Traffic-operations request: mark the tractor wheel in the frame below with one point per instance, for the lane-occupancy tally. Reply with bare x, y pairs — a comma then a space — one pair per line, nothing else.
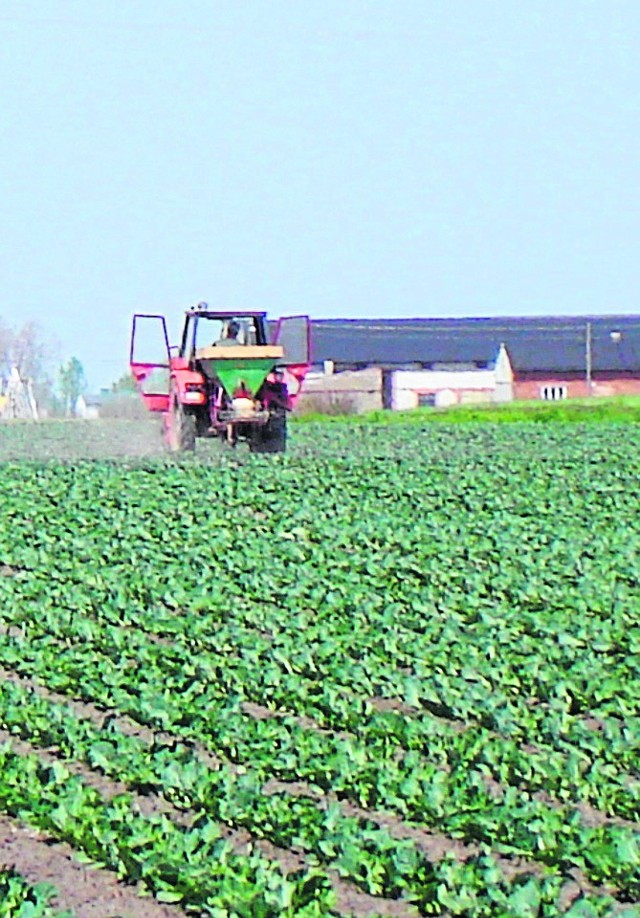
181, 430
272, 438
187, 432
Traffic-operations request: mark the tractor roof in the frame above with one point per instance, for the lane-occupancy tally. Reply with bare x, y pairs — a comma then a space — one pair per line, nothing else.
224, 313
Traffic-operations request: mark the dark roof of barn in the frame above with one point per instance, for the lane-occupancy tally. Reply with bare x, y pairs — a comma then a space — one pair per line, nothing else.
534, 343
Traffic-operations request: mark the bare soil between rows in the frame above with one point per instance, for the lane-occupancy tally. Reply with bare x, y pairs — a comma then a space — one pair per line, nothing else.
434, 845
90, 891
349, 899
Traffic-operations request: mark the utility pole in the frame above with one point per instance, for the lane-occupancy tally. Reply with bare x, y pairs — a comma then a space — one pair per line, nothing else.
587, 357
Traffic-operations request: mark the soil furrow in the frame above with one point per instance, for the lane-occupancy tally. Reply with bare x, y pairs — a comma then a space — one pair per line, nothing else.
102, 717
108, 788
7, 570
378, 703
89, 891
592, 816
349, 898
435, 845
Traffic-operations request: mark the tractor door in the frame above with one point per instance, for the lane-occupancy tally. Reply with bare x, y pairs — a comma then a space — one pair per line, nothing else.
293, 333
149, 360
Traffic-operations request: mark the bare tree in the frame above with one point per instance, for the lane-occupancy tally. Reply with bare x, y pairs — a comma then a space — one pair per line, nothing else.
25, 348
30, 351
6, 346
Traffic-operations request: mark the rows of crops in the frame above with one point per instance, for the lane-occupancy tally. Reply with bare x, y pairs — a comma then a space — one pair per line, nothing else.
407, 659
19, 897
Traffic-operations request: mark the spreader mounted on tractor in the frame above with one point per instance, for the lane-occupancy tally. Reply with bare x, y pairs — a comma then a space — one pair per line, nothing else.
228, 378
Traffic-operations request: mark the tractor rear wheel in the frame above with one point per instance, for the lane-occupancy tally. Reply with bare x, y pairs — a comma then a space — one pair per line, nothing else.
272, 437
187, 432
182, 429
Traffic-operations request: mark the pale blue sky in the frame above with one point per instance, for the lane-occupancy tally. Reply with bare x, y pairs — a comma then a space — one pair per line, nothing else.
341, 157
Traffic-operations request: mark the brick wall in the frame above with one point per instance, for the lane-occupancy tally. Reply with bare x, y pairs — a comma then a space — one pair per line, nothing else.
530, 387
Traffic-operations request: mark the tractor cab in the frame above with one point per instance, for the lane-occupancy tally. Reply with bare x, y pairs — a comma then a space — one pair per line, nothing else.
204, 328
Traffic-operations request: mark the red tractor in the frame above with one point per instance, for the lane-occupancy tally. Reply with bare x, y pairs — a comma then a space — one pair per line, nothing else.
229, 377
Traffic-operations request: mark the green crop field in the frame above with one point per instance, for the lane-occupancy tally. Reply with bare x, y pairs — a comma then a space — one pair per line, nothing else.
395, 671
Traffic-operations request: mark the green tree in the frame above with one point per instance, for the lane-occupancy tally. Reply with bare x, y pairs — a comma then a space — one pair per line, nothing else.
72, 384
125, 384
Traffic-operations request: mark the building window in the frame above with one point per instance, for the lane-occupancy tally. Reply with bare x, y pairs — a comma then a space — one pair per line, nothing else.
426, 399
553, 393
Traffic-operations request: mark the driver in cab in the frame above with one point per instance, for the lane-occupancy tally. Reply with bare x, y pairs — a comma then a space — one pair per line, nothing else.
230, 335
